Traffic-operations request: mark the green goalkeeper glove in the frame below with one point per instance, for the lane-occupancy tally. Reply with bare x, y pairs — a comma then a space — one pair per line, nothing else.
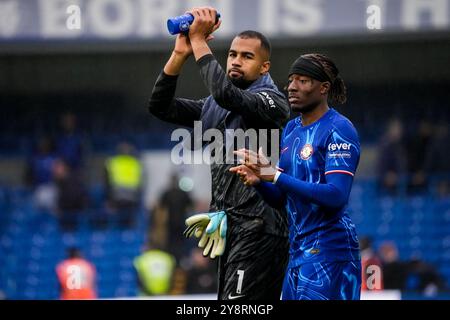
211, 228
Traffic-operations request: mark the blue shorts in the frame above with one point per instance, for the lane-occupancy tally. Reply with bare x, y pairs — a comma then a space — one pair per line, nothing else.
323, 281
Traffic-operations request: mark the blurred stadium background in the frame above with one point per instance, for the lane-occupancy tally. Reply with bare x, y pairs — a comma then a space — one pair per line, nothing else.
77, 94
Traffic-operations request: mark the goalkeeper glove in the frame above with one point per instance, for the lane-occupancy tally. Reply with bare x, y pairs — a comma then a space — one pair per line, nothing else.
212, 228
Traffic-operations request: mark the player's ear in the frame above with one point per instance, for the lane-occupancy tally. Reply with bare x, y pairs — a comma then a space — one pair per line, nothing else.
264, 67
325, 87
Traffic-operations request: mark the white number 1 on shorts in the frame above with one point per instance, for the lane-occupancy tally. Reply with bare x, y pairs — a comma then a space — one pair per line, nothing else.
240, 280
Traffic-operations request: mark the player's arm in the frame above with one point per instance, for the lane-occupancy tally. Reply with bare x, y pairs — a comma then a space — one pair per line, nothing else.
165, 106
265, 107
271, 194
274, 186
162, 103
333, 194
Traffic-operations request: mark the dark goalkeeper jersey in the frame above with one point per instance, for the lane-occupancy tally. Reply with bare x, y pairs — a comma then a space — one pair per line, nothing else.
261, 106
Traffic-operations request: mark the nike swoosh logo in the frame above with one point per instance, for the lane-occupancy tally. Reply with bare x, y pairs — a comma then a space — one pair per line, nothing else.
283, 150
234, 297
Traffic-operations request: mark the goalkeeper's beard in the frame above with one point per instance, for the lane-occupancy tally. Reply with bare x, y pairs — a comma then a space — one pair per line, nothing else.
240, 82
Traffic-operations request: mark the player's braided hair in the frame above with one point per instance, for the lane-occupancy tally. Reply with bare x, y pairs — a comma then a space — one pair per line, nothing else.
338, 91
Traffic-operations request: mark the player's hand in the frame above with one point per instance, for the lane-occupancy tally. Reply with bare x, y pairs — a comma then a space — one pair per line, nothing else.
183, 45
213, 240
258, 163
211, 228
204, 23
247, 176
196, 225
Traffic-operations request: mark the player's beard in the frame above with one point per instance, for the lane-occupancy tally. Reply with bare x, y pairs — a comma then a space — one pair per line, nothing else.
240, 82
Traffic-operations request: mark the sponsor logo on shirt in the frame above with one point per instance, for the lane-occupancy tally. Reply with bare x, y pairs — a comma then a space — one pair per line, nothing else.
268, 98
339, 146
306, 151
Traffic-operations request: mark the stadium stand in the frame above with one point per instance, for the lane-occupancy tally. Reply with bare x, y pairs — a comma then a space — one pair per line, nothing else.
32, 243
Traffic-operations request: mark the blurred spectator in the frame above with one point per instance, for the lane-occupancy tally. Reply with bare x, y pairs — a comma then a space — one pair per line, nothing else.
418, 147
39, 175
201, 274
391, 158
423, 278
77, 277
69, 142
167, 224
123, 175
39, 169
372, 268
155, 269
72, 195
394, 270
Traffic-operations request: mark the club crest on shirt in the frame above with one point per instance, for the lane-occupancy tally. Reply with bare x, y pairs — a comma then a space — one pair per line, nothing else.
306, 151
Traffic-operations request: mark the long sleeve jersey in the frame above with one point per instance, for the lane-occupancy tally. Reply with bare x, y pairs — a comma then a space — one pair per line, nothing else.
261, 106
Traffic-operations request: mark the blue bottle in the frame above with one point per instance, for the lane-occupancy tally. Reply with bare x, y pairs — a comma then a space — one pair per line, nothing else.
182, 23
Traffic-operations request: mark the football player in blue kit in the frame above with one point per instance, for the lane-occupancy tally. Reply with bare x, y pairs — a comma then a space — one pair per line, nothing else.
319, 155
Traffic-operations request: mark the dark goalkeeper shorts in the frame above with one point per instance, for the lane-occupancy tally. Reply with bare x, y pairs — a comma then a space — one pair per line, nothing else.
253, 266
